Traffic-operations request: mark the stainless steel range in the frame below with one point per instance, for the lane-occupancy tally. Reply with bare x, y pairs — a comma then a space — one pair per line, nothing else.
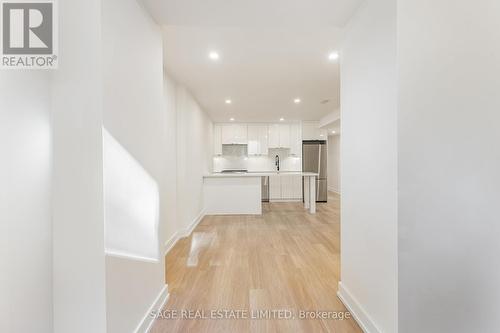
234, 171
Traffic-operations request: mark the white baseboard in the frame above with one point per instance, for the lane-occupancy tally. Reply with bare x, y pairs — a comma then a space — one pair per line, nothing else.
186, 232
148, 320
358, 313
171, 242
183, 233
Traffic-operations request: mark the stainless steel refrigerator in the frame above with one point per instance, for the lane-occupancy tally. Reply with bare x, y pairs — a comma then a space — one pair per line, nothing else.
314, 159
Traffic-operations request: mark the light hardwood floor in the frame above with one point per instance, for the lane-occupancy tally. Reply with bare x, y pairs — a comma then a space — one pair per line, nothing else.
284, 259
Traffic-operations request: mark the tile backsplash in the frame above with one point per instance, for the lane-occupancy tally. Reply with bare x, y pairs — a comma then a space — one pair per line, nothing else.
258, 163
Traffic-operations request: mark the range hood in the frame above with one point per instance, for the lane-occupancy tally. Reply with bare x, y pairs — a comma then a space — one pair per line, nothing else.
235, 150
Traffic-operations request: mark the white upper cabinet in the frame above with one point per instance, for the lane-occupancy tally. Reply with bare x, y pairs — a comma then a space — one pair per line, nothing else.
284, 135
257, 139
240, 134
274, 136
234, 134
227, 134
217, 139
264, 137
311, 131
279, 136
295, 140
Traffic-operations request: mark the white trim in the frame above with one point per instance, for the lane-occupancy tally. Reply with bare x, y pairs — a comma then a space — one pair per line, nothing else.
129, 256
183, 233
286, 200
358, 313
186, 232
147, 321
169, 245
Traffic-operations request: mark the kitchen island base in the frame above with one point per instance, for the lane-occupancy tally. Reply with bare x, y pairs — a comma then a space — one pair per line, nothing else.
242, 194
232, 195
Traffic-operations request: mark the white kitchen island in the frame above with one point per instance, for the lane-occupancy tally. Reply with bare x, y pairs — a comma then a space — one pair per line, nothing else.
241, 193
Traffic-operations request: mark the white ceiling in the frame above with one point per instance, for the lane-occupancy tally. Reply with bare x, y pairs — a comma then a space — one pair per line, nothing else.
253, 13
270, 53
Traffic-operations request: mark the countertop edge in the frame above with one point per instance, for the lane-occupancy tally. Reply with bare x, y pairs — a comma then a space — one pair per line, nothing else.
260, 174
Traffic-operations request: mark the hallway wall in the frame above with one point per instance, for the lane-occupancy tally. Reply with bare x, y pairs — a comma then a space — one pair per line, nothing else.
194, 157
161, 125
369, 167
77, 206
134, 114
169, 93
449, 162
189, 149
51, 138
25, 198
334, 163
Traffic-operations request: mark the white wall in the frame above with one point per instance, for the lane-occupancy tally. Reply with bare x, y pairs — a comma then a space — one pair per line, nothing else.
170, 88
189, 148
58, 267
449, 162
334, 163
369, 166
25, 218
134, 113
164, 129
78, 223
194, 156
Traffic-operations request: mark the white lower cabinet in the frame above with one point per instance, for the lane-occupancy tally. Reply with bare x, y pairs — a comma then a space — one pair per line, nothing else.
291, 187
274, 187
285, 187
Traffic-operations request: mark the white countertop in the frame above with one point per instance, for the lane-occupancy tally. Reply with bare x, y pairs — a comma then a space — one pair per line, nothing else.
260, 174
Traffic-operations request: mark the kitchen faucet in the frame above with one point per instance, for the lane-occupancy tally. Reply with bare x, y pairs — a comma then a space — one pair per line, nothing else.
277, 163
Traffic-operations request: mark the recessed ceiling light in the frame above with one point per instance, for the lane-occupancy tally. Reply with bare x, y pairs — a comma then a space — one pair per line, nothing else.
296, 101
231, 119
282, 119
321, 135
228, 101
213, 55
333, 56
333, 132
